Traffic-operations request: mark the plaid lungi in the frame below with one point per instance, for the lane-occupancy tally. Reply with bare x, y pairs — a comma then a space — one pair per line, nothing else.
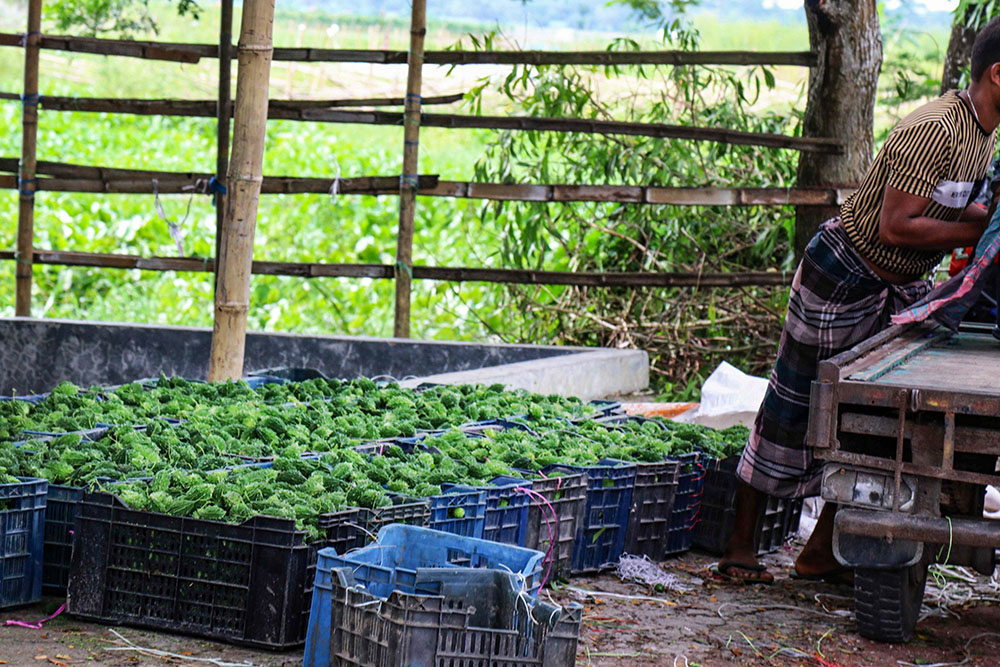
836, 302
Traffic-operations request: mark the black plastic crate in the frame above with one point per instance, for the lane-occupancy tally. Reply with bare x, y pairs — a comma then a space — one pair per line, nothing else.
653, 501
247, 584
776, 523
357, 527
600, 537
565, 495
60, 514
687, 503
22, 525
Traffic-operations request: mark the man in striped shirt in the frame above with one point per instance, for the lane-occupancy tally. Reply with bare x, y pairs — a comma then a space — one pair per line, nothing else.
915, 202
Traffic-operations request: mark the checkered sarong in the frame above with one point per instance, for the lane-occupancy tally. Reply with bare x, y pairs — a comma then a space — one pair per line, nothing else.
836, 302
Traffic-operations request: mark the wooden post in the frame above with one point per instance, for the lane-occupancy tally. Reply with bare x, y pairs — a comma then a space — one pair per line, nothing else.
26, 170
408, 179
232, 298
224, 115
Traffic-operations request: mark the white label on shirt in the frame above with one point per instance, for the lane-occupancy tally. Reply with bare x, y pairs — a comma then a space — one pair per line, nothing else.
953, 194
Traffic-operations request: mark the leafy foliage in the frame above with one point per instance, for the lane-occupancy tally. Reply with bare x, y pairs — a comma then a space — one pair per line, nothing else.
122, 17
686, 331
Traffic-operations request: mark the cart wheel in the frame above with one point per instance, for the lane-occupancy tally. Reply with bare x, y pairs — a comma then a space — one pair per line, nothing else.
887, 602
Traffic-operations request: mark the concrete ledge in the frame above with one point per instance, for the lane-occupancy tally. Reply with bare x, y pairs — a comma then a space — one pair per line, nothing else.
37, 354
589, 375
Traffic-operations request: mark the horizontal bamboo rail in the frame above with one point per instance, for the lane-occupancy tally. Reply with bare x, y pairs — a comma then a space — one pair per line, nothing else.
62, 177
663, 131
324, 111
78, 178
277, 109
441, 273
192, 53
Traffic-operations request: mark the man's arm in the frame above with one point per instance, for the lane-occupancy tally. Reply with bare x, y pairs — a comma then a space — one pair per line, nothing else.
902, 224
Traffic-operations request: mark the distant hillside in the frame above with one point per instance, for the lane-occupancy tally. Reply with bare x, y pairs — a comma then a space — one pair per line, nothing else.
584, 14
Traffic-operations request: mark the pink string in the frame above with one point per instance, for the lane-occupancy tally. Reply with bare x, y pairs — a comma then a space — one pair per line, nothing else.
37, 625
549, 555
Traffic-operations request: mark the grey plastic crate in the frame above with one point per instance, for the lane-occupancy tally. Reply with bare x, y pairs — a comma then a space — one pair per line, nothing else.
477, 618
567, 496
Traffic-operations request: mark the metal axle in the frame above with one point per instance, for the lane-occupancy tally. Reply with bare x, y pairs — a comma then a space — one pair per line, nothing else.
895, 525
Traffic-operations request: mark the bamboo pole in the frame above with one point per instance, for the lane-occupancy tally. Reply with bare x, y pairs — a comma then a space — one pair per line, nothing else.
438, 273
232, 298
587, 126
80, 178
192, 53
276, 109
408, 181
224, 113
26, 173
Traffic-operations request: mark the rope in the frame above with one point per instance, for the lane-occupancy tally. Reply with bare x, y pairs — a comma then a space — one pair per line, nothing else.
335, 186
25, 36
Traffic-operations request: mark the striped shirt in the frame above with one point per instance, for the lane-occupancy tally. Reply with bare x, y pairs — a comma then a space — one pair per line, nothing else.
939, 152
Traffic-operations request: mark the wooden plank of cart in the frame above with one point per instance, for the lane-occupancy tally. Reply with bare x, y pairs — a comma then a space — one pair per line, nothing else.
908, 424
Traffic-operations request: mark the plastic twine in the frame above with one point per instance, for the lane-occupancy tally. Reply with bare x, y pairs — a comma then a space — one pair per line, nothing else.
37, 625
550, 553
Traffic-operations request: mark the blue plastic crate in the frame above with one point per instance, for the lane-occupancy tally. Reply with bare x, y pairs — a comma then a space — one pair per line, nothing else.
687, 501
600, 539
392, 561
31, 398
506, 517
60, 513
459, 511
22, 534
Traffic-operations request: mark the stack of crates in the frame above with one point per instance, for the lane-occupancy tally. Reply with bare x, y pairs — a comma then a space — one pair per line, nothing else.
404, 602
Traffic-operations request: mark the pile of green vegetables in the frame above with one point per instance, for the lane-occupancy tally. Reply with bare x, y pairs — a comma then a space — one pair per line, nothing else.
368, 410
312, 431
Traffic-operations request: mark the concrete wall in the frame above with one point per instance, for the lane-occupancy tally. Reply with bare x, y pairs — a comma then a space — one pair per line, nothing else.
37, 354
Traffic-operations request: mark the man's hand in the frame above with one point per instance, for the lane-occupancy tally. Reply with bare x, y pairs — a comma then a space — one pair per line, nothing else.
902, 224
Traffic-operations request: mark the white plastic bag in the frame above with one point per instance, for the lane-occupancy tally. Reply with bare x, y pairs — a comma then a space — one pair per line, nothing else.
729, 396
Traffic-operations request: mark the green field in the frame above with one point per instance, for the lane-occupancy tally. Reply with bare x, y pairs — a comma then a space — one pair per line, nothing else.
318, 227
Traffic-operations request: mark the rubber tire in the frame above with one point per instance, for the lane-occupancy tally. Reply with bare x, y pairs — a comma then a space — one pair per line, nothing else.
887, 602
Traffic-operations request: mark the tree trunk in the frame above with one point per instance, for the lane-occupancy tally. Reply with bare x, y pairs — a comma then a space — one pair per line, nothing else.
232, 297
959, 53
845, 36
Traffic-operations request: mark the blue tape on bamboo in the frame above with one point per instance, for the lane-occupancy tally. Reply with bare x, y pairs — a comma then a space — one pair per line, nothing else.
30, 100
412, 180
411, 143
217, 188
26, 191
406, 268
26, 35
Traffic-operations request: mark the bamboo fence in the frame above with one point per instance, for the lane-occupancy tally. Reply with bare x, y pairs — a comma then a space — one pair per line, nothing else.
62, 177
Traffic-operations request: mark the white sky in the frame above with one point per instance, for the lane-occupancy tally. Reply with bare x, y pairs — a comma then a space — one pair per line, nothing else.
932, 5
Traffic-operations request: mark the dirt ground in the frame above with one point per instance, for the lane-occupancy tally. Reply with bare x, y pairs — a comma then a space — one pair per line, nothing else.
708, 623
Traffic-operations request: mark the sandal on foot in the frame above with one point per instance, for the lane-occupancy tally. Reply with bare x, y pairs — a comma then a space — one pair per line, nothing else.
759, 575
